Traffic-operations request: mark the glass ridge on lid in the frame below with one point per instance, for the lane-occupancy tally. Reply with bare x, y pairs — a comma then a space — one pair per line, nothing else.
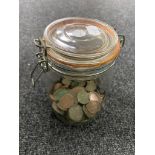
77, 37
80, 39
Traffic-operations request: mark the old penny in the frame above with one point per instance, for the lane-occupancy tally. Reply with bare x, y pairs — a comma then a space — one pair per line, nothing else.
66, 81
59, 93
75, 113
87, 113
52, 97
91, 85
76, 90
57, 86
94, 96
56, 109
93, 107
83, 97
66, 102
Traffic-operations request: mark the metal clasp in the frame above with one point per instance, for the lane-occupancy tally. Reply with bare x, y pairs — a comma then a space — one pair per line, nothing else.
42, 59
122, 40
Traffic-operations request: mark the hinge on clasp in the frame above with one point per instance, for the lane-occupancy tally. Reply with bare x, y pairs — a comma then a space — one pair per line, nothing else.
42, 59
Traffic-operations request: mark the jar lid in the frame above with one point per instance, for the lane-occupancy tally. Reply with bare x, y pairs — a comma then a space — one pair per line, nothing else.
81, 42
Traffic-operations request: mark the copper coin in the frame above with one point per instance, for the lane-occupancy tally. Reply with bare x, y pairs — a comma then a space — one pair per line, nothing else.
57, 86
66, 102
56, 109
93, 107
52, 97
94, 96
87, 113
76, 90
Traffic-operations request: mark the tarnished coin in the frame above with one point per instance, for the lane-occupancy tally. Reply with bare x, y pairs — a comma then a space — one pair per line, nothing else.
59, 93
93, 107
75, 113
82, 83
74, 84
94, 96
66, 81
56, 109
57, 86
83, 97
52, 97
91, 85
66, 102
87, 113
76, 90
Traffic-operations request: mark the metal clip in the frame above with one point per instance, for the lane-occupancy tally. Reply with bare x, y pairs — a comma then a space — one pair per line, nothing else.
121, 39
42, 59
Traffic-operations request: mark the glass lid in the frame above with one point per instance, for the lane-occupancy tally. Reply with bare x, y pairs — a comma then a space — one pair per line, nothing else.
80, 37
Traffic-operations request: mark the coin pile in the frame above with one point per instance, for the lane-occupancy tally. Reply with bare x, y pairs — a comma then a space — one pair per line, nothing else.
76, 101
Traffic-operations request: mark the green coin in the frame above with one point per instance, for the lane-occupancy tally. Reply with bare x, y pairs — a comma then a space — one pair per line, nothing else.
83, 97
74, 84
59, 93
91, 85
66, 81
56, 109
75, 113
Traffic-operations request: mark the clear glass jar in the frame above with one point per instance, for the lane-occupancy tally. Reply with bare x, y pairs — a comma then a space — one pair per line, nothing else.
81, 50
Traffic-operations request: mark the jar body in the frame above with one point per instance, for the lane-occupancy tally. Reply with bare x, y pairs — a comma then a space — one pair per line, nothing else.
79, 101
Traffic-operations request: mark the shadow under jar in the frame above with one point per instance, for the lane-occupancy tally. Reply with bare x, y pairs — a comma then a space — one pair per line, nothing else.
81, 50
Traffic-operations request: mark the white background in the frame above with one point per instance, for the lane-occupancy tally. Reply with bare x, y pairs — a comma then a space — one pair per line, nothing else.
145, 77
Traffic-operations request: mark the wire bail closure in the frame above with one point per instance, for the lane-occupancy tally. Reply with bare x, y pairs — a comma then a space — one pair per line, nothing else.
42, 59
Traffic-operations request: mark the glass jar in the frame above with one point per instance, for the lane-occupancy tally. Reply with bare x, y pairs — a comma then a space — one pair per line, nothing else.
81, 50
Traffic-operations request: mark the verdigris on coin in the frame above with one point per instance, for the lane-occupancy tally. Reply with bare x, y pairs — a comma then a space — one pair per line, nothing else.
66, 81
77, 102
75, 113
83, 97
59, 93
91, 85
